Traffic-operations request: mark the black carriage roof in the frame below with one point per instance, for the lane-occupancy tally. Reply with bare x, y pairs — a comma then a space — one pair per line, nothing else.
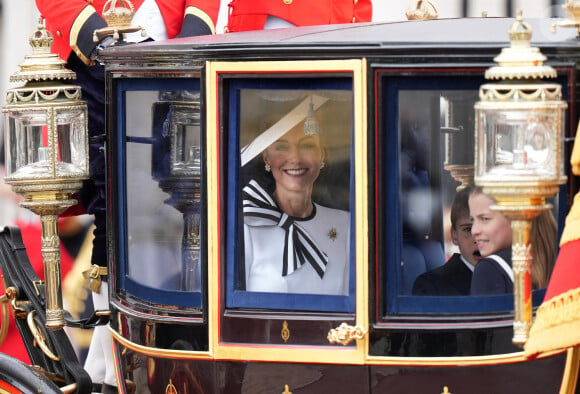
362, 38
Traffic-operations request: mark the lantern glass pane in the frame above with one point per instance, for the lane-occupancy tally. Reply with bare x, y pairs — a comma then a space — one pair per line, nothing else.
456, 122
71, 134
520, 143
185, 140
27, 147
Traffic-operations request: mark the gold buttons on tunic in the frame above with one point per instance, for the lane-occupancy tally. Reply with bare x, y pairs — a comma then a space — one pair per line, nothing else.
58, 33
287, 2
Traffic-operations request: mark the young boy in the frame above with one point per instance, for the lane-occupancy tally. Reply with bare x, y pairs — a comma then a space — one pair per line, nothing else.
454, 277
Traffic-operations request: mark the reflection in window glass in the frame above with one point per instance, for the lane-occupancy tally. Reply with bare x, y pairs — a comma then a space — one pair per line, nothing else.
163, 189
436, 134
436, 140
295, 166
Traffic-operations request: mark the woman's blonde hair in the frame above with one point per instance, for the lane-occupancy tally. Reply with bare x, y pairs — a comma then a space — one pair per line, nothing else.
543, 238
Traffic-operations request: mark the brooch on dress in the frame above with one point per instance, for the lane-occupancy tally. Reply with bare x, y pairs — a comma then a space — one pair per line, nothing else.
332, 233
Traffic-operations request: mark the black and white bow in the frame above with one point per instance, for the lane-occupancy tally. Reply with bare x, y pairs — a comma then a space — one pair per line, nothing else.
260, 209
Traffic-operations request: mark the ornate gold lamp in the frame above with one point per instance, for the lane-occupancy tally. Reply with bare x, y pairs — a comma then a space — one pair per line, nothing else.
519, 133
572, 8
46, 151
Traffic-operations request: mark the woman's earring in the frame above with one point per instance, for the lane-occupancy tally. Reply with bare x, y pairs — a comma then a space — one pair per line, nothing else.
322, 165
267, 167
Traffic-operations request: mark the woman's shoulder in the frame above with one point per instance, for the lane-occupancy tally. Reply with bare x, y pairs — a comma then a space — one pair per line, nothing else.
334, 213
327, 210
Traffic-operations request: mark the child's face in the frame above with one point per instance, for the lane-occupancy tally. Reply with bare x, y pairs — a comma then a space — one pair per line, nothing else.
491, 230
462, 237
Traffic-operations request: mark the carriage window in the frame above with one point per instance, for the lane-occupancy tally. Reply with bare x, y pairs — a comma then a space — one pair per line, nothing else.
162, 192
433, 131
293, 220
436, 140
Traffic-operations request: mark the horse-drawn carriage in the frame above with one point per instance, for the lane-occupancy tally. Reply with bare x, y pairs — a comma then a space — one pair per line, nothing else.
394, 103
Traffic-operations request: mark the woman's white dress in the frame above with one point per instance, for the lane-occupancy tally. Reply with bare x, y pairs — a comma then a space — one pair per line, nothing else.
264, 249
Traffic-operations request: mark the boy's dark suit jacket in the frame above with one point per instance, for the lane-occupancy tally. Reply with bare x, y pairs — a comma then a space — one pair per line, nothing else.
452, 279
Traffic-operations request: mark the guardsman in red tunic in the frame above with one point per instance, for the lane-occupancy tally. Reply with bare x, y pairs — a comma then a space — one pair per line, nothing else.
72, 24
264, 14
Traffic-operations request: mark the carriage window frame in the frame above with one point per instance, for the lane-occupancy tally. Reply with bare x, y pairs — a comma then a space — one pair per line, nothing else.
395, 306
162, 299
236, 298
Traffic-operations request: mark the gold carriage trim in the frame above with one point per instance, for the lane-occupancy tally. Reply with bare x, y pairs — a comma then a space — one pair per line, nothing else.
557, 324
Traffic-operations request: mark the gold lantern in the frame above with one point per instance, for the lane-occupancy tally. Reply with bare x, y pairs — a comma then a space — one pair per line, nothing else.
46, 151
519, 126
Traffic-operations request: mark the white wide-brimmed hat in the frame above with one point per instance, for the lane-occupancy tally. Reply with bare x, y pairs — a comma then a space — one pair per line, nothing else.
281, 127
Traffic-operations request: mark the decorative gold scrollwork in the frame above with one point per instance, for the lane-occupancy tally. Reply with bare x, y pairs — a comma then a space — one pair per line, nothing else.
286, 390
170, 388
38, 337
345, 334
446, 390
9, 295
285, 333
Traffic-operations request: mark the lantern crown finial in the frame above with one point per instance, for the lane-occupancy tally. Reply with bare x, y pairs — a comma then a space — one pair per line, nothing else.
42, 65
118, 16
422, 10
520, 32
41, 39
520, 60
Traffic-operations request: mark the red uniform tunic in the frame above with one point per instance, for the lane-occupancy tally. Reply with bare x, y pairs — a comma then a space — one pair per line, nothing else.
72, 22
252, 14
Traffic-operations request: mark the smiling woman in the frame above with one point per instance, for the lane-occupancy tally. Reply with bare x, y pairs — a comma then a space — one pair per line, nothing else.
291, 243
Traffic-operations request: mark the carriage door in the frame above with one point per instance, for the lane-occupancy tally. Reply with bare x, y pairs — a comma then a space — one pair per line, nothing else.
285, 147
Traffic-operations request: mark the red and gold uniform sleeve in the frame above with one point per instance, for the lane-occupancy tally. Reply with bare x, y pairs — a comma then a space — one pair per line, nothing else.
189, 17
252, 14
72, 23
207, 11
